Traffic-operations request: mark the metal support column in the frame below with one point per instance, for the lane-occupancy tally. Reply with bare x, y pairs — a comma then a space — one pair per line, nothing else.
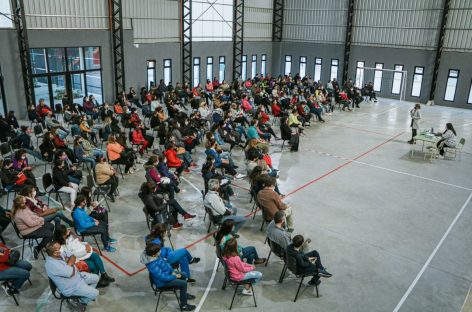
186, 40
23, 46
278, 20
347, 43
439, 49
238, 33
118, 45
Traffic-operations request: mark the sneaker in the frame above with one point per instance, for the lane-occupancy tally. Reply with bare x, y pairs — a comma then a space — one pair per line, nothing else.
188, 216
290, 230
110, 249
235, 235
189, 296
260, 261
190, 280
194, 260
314, 282
246, 292
324, 273
177, 226
111, 197
239, 176
187, 307
112, 241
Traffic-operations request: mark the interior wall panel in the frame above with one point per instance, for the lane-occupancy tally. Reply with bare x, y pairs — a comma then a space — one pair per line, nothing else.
258, 20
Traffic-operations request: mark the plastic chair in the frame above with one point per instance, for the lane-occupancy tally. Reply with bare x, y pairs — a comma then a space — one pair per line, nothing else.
277, 250
59, 296
291, 264
47, 184
237, 284
98, 190
8, 285
5, 150
455, 150
216, 220
159, 290
38, 133
25, 238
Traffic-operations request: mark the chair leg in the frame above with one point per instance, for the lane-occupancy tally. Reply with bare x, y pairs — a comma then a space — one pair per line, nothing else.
209, 227
282, 274
234, 295
254, 296
42, 254
23, 249
262, 225
158, 299
60, 307
268, 257
98, 246
317, 294
299, 286
178, 300
218, 266
16, 300
224, 284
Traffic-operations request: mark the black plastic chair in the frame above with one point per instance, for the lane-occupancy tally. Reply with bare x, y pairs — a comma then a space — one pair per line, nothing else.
6, 150
8, 285
291, 264
98, 190
94, 236
8, 193
38, 133
59, 296
114, 162
264, 218
216, 220
25, 238
277, 250
159, 290
50, 189
237, 284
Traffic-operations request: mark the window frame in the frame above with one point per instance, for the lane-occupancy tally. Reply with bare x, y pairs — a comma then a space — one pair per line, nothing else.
455, 88
320, 64
300, 65
469, 99
244, 67
381, 76
219, 68
253, 66
209, 63
164, 71
287, 62
194, 85
147, 73
395, 71
413, 81
331, 69
361, 85
264, 65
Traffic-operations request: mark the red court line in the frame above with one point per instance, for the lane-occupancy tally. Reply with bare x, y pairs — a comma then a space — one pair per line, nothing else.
344, 164
254, 212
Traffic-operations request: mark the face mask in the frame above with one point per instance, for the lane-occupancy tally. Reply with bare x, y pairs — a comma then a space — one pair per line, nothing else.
34, 193
23, 157
64, 157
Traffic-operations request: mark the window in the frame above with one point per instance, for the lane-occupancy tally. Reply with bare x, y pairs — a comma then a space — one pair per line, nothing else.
264, 64
451, 85
212, 20
244, 68
417, 81
302, 66
288, 65
3, 101
397, 80
151, 74
210, 68
76, 71
6, 9
167, 71
469, 100
318, 61
378, 77
196, 71
254, 66
334, 69
221, 70
360, 74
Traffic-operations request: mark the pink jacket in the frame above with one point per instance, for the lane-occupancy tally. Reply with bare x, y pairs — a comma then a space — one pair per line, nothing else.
237, 268
27, 221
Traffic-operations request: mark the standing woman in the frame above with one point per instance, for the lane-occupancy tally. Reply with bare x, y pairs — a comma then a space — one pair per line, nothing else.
415, 121
448, 137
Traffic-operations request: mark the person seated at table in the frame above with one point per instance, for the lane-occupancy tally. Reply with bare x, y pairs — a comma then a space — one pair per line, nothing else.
224, 235
238, 270
180, 256
30, 225
307, 262
17, 272
448, 137
41, 209
68, 280
72, 246
86, 225
163, 275
118, 155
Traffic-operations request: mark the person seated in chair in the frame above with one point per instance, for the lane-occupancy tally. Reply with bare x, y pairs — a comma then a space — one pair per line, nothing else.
68, 280
163, 275
60, 180
17, 271
75, 175
307, 263
448, 137
277, 232
21, 164
47, 147
24, 142
140, 138
117, 154
162, 184
13, 180
106, 175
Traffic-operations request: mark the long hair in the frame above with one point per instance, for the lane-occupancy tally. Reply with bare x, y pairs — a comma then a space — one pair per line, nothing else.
59, 234
157, 231
231, 248
18, 204
450, 127
225, 229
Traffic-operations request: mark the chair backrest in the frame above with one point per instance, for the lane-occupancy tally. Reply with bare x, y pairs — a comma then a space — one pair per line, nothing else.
276, 248
5, 148
53, 288
47, 180
17, 231
212, 217
152, 283
38, 130
90, 181
461, 143
291, 263
225, 267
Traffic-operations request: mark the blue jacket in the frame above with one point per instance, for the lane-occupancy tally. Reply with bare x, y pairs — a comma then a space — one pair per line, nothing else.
161, 271
82, 220
215, 155
165, 251
218, 138
164, 170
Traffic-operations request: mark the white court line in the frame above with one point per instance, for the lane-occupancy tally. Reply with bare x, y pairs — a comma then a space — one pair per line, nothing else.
466, 297
385, 111
420, 273
192, 185
207, 290
392, 170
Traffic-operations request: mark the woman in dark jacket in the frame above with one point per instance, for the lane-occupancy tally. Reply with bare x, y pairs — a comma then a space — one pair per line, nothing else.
47, 148
156, 204
61, 182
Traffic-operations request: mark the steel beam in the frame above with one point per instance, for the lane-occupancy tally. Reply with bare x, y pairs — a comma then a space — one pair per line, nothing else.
118, 45
348, 40
278, 20
23, 47
186, 40
238, 34
439, 47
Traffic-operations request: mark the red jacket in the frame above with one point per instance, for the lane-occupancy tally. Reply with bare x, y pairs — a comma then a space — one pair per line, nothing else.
42, 111
3, 259
138, 137
172, 160
58, 142
275, 110
264, 117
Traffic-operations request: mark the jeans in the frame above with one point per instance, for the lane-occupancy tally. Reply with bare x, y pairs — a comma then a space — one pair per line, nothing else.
33, 153
97, 152
18, 273
95, 263
73, 179
182, 285
250, 254
183, 257
87, 290
255, 275
101, 229
57, 217
89, 160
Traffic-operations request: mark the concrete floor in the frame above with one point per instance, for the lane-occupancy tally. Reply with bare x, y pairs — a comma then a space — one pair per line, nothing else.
375, 215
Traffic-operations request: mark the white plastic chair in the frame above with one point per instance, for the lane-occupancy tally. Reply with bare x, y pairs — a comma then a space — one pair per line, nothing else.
455, 150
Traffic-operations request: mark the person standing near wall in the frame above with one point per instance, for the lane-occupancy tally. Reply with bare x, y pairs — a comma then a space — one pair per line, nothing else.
415, 121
